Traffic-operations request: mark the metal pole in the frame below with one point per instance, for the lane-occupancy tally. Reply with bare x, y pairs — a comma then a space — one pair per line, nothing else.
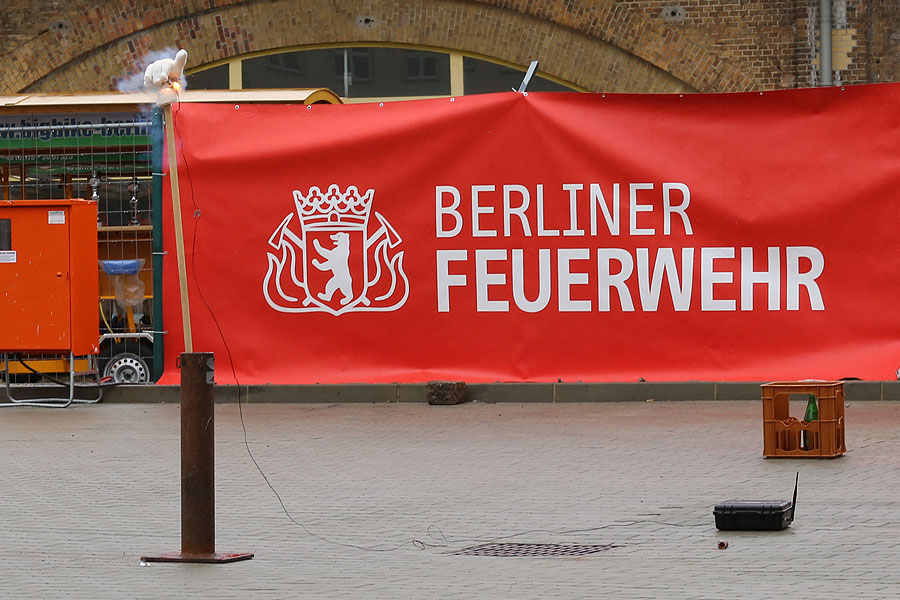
347, 75
825, 64
528, 75
198, 502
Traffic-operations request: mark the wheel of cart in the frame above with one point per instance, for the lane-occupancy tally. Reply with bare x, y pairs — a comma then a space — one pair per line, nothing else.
127, 358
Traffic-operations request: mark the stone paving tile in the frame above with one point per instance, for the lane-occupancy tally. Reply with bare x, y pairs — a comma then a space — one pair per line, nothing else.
382, 495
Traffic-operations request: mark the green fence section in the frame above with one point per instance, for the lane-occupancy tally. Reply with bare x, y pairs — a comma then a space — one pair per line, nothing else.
114, 159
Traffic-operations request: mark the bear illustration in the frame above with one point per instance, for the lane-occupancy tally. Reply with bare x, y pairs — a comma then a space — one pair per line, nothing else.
336, 260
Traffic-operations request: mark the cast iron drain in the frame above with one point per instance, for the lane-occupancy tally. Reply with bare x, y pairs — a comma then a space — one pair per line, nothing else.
538, 550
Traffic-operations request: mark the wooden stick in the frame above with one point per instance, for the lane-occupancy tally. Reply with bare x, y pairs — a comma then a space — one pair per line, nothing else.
179, 230
66, 180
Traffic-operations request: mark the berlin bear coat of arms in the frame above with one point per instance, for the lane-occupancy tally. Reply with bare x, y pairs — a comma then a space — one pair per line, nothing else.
345, 257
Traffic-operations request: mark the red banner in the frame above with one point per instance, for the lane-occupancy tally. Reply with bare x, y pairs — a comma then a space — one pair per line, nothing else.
554, 236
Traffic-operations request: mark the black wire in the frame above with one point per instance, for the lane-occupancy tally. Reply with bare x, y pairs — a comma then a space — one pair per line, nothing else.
565, 531
64, 383
415, 542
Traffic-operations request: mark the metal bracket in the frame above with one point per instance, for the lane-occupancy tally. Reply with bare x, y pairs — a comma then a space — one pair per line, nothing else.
147, 335
528, 75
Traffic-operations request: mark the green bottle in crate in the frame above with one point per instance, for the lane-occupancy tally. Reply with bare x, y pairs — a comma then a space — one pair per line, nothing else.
812, 414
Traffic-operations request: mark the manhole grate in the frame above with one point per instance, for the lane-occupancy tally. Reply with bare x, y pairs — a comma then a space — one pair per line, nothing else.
534, 550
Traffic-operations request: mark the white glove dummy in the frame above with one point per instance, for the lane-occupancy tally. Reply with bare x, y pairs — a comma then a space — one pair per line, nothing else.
165, 71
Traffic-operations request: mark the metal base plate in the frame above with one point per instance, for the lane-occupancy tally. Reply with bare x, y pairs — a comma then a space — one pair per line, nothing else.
214, 557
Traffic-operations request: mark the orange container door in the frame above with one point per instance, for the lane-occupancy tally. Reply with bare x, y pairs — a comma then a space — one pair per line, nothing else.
34, 280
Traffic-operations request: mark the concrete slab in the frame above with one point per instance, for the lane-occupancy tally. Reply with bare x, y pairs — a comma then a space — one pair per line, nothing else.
737, 390
890, 390
492, 393
317, 394
862, 391
411, 392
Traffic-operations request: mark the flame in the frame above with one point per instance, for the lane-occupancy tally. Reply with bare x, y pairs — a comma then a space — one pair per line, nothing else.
176, 85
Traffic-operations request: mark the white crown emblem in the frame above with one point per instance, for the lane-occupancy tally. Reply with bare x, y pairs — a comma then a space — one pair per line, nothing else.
333, 209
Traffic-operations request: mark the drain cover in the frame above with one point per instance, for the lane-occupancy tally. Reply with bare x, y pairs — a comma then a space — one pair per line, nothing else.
538, 550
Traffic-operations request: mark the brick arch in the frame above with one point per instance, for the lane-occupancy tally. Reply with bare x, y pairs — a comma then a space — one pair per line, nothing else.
598, 45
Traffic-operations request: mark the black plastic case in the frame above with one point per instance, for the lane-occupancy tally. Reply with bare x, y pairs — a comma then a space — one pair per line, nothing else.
754, 515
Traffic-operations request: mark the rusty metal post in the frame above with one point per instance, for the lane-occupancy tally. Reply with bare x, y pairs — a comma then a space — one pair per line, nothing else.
198, 504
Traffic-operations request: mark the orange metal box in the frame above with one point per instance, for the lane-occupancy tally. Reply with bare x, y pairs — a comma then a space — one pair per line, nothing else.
48, 276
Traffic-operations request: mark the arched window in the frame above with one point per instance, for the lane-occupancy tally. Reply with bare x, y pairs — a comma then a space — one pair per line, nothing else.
372, 72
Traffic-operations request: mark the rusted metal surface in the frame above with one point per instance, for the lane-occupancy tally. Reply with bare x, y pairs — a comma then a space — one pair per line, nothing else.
214, 557
198, 503
198, 523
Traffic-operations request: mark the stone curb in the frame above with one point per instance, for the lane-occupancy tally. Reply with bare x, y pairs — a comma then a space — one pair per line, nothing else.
490, 392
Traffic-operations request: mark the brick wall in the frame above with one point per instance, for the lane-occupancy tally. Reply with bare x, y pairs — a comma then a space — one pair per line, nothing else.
776, 41
767, 39
883, 35
602, 45
21, 20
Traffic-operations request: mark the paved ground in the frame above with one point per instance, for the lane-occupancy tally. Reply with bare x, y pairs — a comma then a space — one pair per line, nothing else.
87, 490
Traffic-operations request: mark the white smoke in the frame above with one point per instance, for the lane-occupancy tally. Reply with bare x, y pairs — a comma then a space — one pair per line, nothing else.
134, 82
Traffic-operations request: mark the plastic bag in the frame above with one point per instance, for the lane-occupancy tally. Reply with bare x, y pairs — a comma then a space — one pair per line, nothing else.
127, 284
